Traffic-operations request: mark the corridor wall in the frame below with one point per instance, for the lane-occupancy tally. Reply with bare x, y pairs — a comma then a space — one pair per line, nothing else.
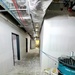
57, 39
6, 53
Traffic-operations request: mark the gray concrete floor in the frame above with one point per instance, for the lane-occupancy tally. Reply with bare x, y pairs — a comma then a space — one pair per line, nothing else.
30, 65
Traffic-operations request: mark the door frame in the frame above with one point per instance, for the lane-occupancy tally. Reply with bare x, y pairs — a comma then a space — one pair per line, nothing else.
30, 44
26, 45
18, 47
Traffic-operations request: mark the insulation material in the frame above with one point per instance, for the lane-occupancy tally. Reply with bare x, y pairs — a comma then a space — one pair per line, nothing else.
21, 3
38, 8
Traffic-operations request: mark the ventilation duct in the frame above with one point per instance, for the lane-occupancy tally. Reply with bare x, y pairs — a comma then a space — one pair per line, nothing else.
21, 3
35, 8
38, 8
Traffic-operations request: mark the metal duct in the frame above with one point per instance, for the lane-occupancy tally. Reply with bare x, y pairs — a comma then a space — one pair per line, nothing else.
38, 8
21, 3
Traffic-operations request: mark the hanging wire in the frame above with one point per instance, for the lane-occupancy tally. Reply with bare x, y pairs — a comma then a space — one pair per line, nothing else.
51, 57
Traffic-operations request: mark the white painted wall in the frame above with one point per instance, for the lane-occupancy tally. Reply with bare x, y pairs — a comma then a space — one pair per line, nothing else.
57, 39
32, 44
6, 55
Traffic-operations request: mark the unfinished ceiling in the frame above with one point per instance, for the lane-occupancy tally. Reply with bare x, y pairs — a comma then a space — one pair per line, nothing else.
60, 8
30, 13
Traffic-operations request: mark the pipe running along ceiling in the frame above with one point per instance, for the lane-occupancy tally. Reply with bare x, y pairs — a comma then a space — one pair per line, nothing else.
29, 13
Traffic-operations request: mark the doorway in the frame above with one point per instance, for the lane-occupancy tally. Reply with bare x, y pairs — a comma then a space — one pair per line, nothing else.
15, 47
26, 45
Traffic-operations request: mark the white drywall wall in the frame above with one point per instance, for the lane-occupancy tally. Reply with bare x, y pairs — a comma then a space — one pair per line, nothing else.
32, 44
6, 54
57, 39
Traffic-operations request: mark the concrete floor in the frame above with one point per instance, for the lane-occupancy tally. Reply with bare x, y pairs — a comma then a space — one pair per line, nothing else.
30, 65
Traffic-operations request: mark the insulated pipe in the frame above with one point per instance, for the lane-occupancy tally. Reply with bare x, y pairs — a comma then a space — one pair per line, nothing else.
12, 10
19, 13
17, 9
3, 11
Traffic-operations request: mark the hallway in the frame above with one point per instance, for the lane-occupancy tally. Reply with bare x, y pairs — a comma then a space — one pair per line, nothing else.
30, 65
